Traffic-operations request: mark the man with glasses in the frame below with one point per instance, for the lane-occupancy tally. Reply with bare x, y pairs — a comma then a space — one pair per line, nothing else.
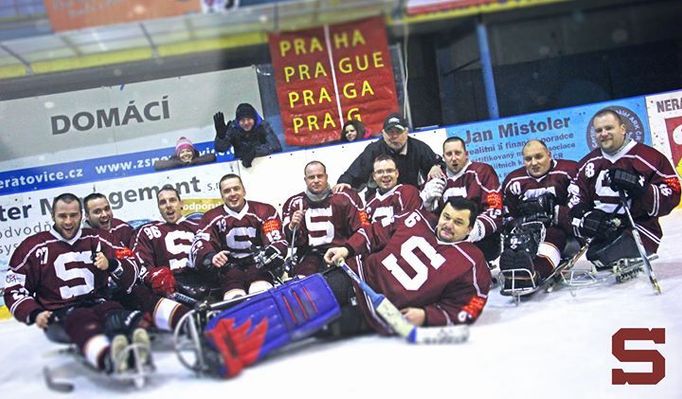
415, 160
390, 198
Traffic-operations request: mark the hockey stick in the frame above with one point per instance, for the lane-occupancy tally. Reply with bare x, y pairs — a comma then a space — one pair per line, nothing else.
54, 385
639, 244
392, 316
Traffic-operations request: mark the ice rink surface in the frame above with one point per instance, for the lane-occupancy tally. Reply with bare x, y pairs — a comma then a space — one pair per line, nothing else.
555, 345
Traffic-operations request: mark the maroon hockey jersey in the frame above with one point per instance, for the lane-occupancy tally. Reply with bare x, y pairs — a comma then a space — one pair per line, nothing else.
519, 186
165, 244
48, 272
479, 183
328, 222
121, 231
590, 188
400, 199
413, 268
256, 225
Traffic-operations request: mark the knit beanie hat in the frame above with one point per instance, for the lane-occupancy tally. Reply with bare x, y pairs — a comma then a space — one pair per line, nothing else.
183, 143
245, 110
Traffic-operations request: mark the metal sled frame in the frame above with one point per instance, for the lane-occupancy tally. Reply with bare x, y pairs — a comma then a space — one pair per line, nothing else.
187, 333
623, 270
517, 292
137, 375
548, 283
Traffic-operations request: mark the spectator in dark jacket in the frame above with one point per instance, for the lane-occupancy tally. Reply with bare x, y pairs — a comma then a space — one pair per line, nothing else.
185, 155
248, 133
414, 158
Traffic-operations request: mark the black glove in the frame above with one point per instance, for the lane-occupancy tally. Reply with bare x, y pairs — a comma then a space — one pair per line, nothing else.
629, 181
538, 208
247, 156
600, 225
220, 126
271, 259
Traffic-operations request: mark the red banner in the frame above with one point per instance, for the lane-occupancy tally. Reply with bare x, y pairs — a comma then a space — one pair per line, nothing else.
328, 75
674, 127
67, 15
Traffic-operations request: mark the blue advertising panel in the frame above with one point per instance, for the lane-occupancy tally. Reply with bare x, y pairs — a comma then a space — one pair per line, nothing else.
567, 133
92, 170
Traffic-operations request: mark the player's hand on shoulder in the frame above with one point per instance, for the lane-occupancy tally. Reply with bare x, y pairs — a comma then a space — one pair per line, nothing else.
340, 187
433, 190
436, 172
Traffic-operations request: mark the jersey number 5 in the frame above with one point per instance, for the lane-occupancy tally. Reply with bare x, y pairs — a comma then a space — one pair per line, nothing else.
421, 271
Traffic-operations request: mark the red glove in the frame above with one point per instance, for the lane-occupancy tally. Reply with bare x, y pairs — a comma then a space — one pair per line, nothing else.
161, 279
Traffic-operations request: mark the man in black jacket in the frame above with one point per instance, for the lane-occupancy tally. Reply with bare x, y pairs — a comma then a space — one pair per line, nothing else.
414, 158
249, 134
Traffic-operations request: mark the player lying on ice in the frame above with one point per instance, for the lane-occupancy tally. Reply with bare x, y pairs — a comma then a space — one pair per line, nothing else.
58, 281
423, 265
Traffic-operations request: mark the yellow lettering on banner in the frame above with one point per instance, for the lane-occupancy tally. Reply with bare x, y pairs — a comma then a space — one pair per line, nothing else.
312, 122
358, 38
354, 113
328, 121
324, 95
378, 59
298, 122
341, 39
360, 62
349, 90
284, 47
293, 98
309, 97
300, 46
320, 70
288, 73
303, 71
315, 45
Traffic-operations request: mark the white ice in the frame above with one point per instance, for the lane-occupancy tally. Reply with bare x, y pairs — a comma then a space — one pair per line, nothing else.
554, 345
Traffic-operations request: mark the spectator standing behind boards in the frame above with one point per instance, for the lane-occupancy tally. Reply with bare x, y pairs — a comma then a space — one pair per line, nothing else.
414, 159
185, 155
248, 133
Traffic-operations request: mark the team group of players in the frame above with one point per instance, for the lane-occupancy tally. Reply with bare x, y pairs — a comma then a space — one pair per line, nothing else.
427, 249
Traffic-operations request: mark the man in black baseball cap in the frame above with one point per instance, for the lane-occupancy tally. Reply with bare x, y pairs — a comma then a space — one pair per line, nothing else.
395, 121
414, 159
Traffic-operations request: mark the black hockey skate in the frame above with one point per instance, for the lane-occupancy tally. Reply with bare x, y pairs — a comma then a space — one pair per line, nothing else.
516, 260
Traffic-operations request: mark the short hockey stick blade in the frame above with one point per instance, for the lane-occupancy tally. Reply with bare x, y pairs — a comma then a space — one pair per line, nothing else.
54, 385
639, 244
440, 335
